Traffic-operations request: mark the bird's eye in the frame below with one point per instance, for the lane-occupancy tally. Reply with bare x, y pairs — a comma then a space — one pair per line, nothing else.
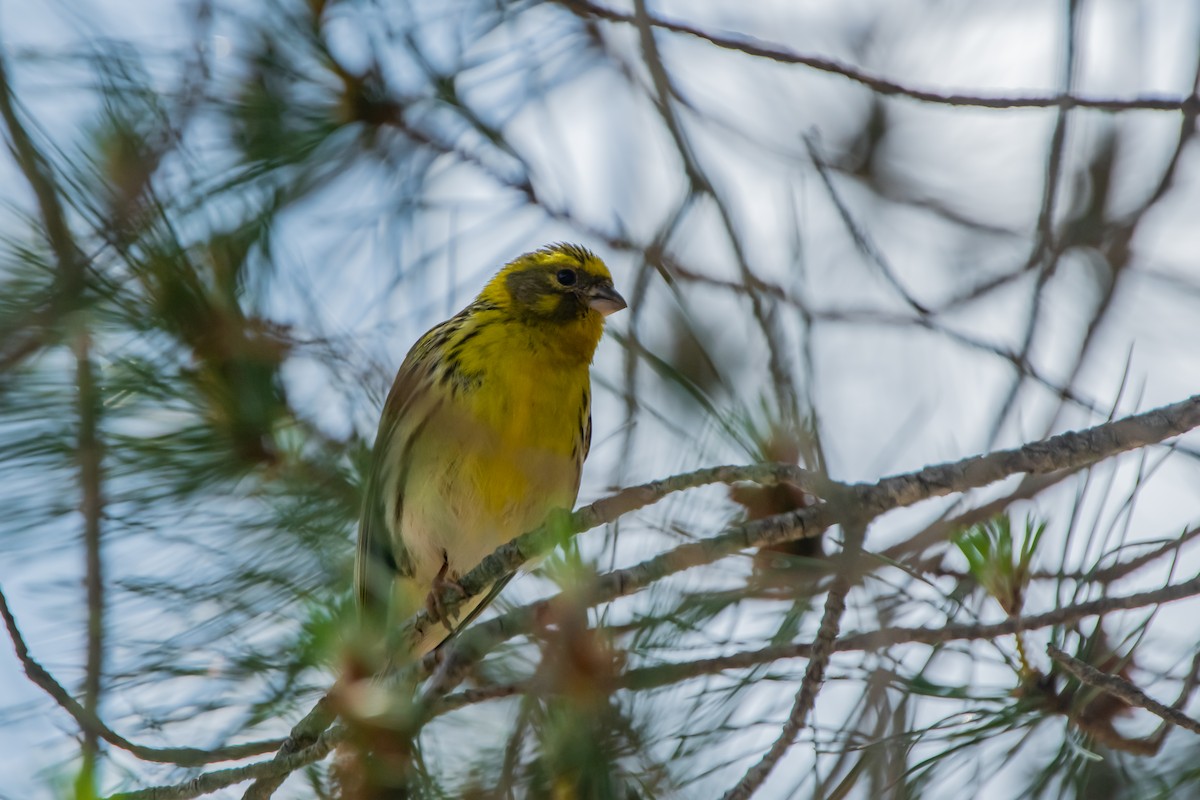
566, 277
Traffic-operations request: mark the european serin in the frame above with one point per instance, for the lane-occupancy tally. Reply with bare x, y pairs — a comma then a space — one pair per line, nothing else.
484, 431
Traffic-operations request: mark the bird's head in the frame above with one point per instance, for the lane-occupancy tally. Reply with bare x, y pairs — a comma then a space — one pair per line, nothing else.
561, 283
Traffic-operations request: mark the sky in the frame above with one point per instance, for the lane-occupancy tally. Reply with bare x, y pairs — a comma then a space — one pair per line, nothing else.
891, 397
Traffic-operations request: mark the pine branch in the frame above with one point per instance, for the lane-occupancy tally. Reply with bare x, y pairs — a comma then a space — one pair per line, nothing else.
90, 722
1120, 688
814, 672
210, 782
665, 674
843, 503
658, 675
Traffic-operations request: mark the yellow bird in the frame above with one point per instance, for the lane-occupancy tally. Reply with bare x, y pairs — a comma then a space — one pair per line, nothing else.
484, 432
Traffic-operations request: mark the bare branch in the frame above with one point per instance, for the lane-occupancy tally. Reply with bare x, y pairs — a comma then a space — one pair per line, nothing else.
88, 721
305, 734
814, 672
664, 674
89, 451
658, 675
780, 54
1121, 688
210, 782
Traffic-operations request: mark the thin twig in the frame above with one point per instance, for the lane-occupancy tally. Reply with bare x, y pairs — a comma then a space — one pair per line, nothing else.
941, 529
858, 315
883, 86
1120, 688
216, 780
39, 176
859, 236
659, 675
701, 184
89, 451
814, 673
182, 756
1047, 249
666, 674
1122, 568
305, 734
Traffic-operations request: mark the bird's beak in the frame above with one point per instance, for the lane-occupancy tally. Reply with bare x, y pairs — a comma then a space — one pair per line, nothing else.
604, 299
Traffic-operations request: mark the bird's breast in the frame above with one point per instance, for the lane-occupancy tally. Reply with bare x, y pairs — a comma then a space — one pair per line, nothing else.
507, 451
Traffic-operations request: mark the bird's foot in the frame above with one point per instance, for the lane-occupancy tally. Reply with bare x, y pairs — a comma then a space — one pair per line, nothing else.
435, 604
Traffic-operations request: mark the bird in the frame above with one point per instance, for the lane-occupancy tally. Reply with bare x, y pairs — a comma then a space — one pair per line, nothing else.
483, 434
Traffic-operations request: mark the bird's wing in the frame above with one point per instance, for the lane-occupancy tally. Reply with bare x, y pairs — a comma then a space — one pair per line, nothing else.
586, 426
381, 556
378, 560
584, 446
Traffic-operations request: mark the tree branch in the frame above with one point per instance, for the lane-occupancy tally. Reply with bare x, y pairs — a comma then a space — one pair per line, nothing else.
305, 734
1123, 689
883, 86
855, 502
860, 501
69, 283
814, 672
509, 557
658, 675
665, 674
89, 721
210, 782
89, 451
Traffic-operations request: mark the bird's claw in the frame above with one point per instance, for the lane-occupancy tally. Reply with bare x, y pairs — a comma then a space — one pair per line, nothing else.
435, 604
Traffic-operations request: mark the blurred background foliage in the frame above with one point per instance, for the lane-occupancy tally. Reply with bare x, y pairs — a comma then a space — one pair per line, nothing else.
224, 223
